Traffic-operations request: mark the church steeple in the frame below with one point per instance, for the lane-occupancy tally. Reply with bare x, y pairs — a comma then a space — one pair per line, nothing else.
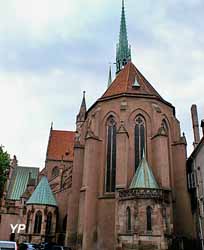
123, 51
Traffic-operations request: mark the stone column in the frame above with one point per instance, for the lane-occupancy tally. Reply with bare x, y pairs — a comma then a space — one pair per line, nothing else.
122, 157
161, 166
73, 202
91, 165
183, 222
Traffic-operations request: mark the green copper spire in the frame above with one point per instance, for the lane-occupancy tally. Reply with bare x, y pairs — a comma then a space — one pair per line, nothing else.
109, 77
144, 177
123, 51
43, 194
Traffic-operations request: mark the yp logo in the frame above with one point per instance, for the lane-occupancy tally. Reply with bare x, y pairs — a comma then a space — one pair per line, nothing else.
18, 227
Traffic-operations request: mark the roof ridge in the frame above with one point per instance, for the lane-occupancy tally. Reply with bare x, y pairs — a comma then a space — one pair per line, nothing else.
70, 131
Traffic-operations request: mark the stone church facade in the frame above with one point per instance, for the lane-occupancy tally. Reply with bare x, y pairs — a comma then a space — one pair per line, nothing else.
119, 181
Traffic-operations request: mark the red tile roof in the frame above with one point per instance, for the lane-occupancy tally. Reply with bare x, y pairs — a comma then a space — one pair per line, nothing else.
61, 144
124, 81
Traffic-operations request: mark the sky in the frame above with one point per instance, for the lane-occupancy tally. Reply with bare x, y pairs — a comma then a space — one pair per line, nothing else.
52, 50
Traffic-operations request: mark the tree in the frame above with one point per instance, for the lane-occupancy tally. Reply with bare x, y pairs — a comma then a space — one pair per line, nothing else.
4, 167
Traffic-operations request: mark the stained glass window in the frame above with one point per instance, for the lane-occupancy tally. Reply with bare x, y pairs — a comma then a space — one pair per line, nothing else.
38, 222
49, 223
111, 156
128, 219
139, 140
149, 218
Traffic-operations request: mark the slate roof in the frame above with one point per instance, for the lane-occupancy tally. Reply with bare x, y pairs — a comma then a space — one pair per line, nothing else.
19, 181
125, 80
61, 144
144, 177
43, 194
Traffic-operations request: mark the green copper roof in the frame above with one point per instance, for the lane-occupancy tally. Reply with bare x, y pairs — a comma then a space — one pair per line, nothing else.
19, 181
123, 52
144, 177
43, 194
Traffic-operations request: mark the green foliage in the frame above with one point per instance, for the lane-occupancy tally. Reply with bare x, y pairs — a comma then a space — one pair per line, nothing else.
4, 166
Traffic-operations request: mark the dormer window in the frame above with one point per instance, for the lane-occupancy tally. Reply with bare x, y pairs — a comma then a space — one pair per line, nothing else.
136, 83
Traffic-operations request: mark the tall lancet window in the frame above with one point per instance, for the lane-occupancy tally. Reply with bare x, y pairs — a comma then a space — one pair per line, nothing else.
28, 221
111, 155
38, 222
149, 218
140, 139
128, 212
49, 223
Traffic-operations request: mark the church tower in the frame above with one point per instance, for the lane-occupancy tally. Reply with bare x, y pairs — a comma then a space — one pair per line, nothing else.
129, 186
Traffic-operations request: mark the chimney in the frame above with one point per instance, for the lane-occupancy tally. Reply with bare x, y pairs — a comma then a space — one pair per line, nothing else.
202, 126
194, 115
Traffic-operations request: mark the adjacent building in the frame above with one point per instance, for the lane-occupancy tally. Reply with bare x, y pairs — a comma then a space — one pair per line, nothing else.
195, 173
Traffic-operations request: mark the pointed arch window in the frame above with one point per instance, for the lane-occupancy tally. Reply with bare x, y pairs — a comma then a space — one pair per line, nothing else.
128, 216
38, 222
149, 218
49, 223
165, 126
111, 156
28, 221
140, 139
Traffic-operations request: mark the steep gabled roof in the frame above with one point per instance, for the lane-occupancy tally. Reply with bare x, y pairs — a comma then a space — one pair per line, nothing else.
61, 144
144, 177
43, 194
19, 181
125, 80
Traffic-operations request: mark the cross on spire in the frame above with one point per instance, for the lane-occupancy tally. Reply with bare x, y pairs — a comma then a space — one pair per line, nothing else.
123, 51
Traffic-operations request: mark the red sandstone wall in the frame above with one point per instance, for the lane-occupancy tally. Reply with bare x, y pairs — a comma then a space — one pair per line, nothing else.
5, 229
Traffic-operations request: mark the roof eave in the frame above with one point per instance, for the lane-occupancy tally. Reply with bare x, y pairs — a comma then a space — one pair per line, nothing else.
106, 98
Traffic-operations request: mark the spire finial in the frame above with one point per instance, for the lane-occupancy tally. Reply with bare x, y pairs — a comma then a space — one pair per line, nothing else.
82, 111
83, 104
123, 54
143, 154
51, 127
109, 76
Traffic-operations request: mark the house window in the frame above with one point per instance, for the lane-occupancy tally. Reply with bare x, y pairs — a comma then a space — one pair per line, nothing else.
192, 179
139, 140
38, 222
55, 171
28, 221
128, 216
49, 223
149, 218
111, 156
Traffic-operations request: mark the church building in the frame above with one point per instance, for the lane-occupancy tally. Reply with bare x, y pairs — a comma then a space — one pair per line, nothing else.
119, 181
129, 185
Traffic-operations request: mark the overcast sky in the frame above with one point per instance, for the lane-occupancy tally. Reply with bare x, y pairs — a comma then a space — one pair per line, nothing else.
52, 50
